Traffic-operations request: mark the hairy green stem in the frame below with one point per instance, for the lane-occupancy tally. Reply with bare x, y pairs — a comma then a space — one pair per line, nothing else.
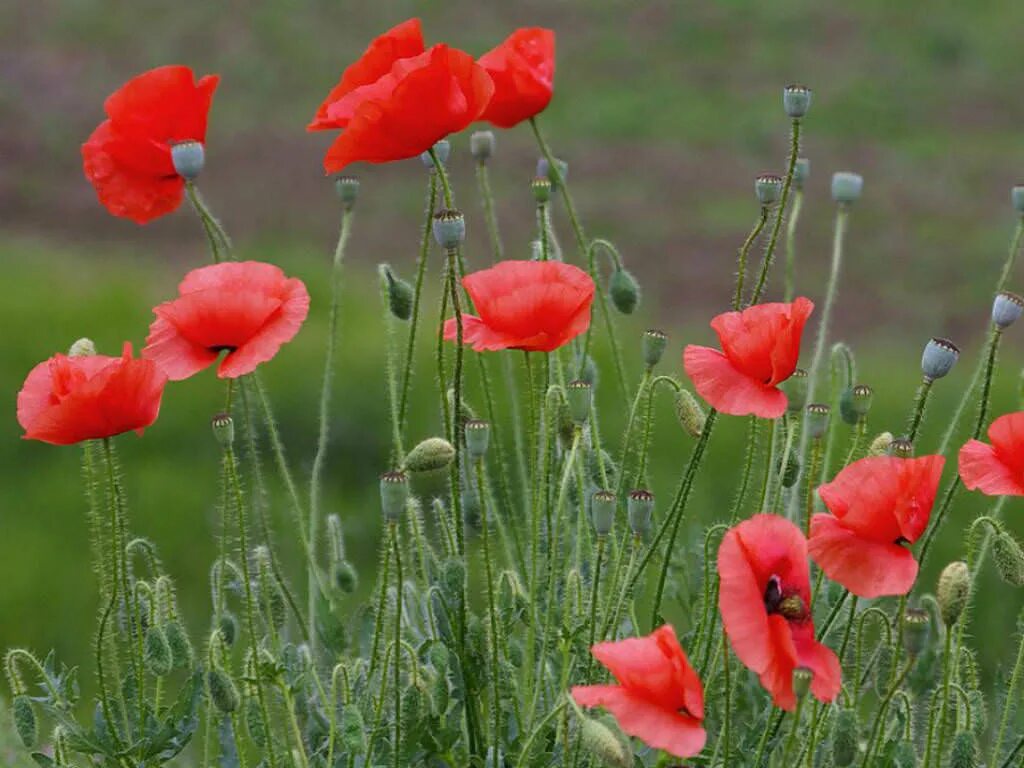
741, 268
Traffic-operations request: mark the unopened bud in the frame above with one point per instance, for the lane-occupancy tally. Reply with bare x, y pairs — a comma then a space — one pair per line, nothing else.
432, 453
25, 722
796, 100
1009, 559
845, 738
654, 343
394, 492
801, 172
347, 188
449, 228
344, 577
442, 150
964, 753
478, 437
902, 448
254, 721
795, 389
916, 630
579, 395
953, 590
223, 691
768, 188
481, 145
223, 429
624, 291
639, 508
541, 189
400, 294
791, 472
188, 158
602, 511
227, 627
608, 749
691, 415
157, 654
1006, 309
817, 419
938, 358
82, 348
802, 678
880, 445
558, 174
846, 187
180, 645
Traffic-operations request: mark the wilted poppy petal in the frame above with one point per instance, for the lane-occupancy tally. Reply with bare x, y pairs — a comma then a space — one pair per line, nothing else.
865, 566
727, 389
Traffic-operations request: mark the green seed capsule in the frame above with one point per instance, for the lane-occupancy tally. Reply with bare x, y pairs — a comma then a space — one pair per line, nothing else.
844, 738
223, 691
792, 470
25, 722
904, 755
624, 291
158, 657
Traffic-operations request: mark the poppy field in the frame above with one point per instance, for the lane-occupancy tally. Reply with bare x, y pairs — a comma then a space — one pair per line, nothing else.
557, 582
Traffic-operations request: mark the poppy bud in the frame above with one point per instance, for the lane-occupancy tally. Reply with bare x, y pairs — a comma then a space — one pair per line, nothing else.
816, 420
223, 691
188, 158
1006, 309
883, 668
254, 722
25, 722
802, 678
180, 645
602, 511
691, 415
432, 453
541, 189
344, 577
796, 100
1009, 559
347, 188
965, 751
768, 187
478, 437
227, 626
1017, 198
453, 578
442, 149
557, 174
639, 507
394, 492
449, 228
624, 290
846, 187
881, 445
400, 294
916, 630
792, 469
82, 348
801, 172
904, 755
481, 145
607, 748
952, 591
157, 654
938, 358
795, 388
273, 606
579, 395
654, 343
223, 429
845, 738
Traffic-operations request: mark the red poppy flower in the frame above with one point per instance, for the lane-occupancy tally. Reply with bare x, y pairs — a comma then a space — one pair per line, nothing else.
997, 469
245, 308
398, 100
128, 157
878, 504
765, 600
659, 698
760, 347
536, 306
523, 70
66, 400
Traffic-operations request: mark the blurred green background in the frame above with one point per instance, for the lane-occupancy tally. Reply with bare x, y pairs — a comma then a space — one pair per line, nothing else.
665, 111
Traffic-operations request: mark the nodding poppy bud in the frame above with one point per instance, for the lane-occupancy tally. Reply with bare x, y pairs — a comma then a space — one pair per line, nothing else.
82, 348
654, 343
254, 722
272, 602
845, 738
432, 453
796, 100
400, 294
901, 447
227, 626
1017, 198
938, 358
579, 395
394, 492
1006, 309
188, 158
223, 691
904, 755
481, 145
639, 508
802, 678
846, 187
801, 172
768, 188
916, 630
25, 722
344, 577
953, 590
602, 742
855, 402
478, 437
795, 389
541, 189
223, 429
816, 420
347, 188
691, 415
964, 753
442, 150
881, 445
602, 511
883, 668
791, 472
1009, 559
624, 290
449, 228
158, 658
558, 174
180, 645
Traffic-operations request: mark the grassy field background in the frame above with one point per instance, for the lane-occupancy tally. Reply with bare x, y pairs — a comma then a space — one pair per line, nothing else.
665, 111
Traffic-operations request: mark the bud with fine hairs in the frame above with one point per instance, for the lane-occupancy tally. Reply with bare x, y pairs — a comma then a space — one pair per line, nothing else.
654, 343
1009, 559
82, 348
608, 749
845, 738
400, 293
880, 445
624, 291
157, 655
222, 689
964, 753
26, 725
691, 416
953, 590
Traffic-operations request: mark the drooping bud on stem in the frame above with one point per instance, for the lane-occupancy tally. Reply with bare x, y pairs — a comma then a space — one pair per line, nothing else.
953, 590
602, 511
25, 722
654, 343
691, 415
223, 691
639, 508
158, 657
938, 358
601, 741
400, 294
188, 158
1009, 559
624, 291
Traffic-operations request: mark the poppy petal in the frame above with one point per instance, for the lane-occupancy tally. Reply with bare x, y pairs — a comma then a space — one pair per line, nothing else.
523, 70
982, 470
865, 566
727, 389
821, 660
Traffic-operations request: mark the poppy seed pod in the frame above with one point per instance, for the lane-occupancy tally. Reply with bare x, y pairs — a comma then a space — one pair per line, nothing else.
639, 508
796, 100
1017, 198
188, 158
394, 492
449, 228
481, 145
400, 294
802, 678
816, 420
540, 186
347, 188
795, 388
953, 590
902, 448
442, 149
602, 511
1006, 309
557, 174
801, 172
624, 290
579, 395
478, 437
691, 416
223, 429
82, 348
916, 630
1009, 559
768, 188
654, 343
881, 445
602, 742
847, 187
938, 358
855, 402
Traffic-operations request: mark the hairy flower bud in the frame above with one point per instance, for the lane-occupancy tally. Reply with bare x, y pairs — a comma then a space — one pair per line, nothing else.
791, 471
1009, 559
953, 590
449, 228
964, 753
478, 438
1006, 309
481, 145
540, 186
254, 722
817, 419
158, 657
768, 188
938, 358
400, 294
25, 723
916, 630
579, 395
691, 415
846, 187
883, 668
180, 645
795, 389
639, 508
602, 511
272, 602
607, 748
344, 577
82, 348
845, 738
222, 689
227, 626
223, 429
801, 172
796, 100
432, 453
347, 189
624, 291
442, 150
188, 158
881, 444
394, 492
654, 343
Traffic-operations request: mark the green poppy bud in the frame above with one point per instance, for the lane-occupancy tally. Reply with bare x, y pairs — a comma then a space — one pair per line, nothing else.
964, 753
223, 429
254, 722
881, 445
953, 590
624, 291
158, 658
845, 738
25, 723
768, 188
180, 645
188, 158
654, 343
602, 511
481, 145
639, 508
904, 755
796, 100
883, 668
1009, 559
394, 493
579, 394
691, 416
347, 188
400, 294
82, 348
449, 228
817, 419
222, 689
344, 577
791, 472
607, 748
227, 625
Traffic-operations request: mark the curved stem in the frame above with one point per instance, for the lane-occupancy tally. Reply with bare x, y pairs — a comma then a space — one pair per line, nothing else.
920, 401
741, 269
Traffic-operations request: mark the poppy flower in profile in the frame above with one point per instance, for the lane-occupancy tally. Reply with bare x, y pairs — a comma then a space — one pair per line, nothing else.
399, 100
760, 348
127, 158
536, 306
66, 400
523, 70
765, 601
878, 504
659, 698
247, 309
996, 469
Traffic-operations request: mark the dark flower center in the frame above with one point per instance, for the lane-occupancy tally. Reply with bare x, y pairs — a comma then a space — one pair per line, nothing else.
784, 602
223, 348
